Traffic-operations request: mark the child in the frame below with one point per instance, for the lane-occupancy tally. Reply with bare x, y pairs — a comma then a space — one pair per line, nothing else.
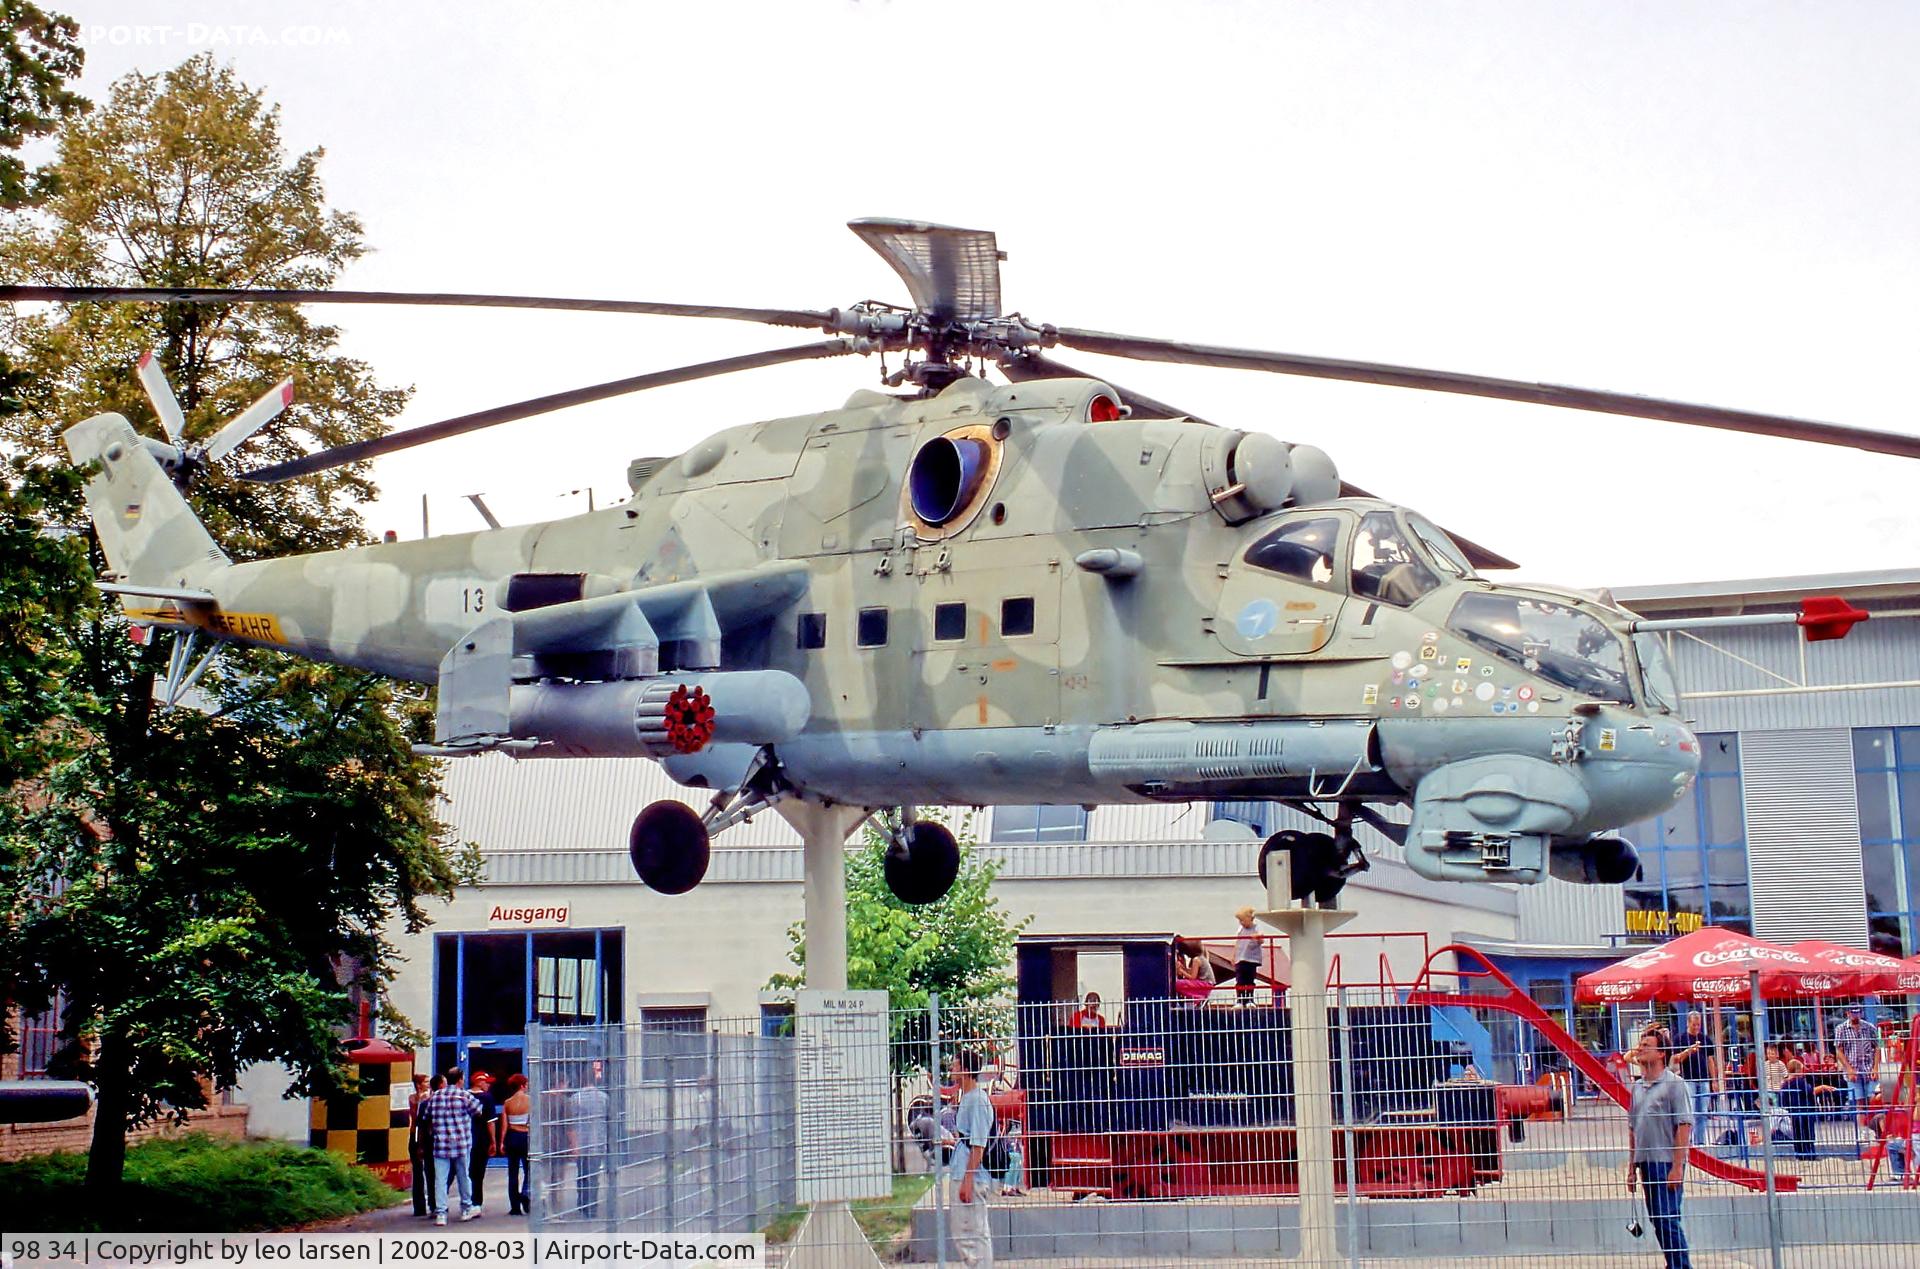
1246, 957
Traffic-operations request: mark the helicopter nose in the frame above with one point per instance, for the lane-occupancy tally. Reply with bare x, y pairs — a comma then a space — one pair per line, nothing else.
1636, 768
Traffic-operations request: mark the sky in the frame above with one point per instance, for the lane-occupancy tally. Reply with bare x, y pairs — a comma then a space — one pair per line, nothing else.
1698, 201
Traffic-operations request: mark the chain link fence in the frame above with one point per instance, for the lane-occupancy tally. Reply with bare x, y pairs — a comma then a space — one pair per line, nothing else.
1457, 1125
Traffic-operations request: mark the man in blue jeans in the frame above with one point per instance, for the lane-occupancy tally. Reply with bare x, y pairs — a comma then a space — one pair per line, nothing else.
1856, 1043
448, 1115
1660, 1121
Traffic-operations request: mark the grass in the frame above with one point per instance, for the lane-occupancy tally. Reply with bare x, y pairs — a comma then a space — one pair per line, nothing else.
192, 1183
884, 1221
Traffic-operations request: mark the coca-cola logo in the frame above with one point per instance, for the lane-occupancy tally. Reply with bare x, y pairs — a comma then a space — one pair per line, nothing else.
1907, 982
1718, 986
1647, 959
1818, 982
1614, 991
1860, 960
1742, 955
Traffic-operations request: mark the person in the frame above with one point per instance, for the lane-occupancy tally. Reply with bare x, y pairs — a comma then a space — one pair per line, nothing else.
1192, 976
1694, 1064
972, 1128
1894, 1125
587, 1136
486, 1135
1856, 1043
1016, 1180
449, 1111
516, 1113
419, 1162
1088, 1014
1660, 1126
1246, 957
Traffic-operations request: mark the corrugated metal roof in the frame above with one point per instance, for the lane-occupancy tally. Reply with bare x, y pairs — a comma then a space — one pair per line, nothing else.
1881, 582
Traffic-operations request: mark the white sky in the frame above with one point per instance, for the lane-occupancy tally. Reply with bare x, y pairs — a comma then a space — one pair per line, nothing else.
1701, 201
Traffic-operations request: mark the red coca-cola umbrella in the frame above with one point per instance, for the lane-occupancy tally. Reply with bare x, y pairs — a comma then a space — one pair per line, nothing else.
1708, 964
1858, 973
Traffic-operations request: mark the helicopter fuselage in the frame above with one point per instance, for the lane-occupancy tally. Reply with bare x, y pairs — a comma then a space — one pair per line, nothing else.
1093, 615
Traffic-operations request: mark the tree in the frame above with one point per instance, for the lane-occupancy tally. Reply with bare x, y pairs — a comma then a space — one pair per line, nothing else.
959, 947
202, 886
39, 53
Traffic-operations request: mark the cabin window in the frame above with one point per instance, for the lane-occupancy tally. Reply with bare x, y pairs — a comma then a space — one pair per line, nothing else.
949, 621
1016, 616
1385, 567
813, 630
870, 629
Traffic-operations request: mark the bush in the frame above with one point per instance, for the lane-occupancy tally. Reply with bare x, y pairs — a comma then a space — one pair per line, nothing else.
192, 1183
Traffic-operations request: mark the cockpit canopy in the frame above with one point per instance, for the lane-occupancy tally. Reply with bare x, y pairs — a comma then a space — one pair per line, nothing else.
1395, 557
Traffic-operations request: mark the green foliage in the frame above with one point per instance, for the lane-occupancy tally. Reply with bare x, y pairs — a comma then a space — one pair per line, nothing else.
192, 1183
885, 1221
39, 53
959, 947
180, 179
45, 585
203, 886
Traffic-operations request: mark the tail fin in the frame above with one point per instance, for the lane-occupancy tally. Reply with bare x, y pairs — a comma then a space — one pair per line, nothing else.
149, 533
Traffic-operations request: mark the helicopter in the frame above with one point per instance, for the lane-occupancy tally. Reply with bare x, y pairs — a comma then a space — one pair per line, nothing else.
1053, 590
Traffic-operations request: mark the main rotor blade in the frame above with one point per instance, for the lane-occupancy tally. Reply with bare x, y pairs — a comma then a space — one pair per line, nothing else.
1030, 365
805, 318
413, 436
1140, 349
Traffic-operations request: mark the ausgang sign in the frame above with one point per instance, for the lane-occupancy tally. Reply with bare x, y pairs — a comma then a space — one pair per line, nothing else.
522, 916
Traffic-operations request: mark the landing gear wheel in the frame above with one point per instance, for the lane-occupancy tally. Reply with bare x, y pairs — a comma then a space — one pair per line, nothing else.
921, 863
1316, 864
669, 847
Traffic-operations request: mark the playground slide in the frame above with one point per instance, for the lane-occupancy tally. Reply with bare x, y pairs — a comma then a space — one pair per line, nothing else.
1520, 1005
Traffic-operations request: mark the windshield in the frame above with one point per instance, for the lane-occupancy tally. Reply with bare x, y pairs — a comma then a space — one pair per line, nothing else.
1554, 640
1385, 566
1447, 555
1656, 673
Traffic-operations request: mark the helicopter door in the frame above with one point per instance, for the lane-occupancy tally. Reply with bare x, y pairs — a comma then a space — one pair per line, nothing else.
987, 652
1284, 595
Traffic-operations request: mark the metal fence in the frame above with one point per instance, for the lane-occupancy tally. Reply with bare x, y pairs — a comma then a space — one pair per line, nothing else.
1449, 1123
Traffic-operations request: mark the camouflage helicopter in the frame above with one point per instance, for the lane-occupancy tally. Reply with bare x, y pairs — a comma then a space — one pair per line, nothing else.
1053, 590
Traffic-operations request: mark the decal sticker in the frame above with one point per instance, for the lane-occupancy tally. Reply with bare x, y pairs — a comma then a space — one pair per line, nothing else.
1506, 693
1525, 693
1486, 671
1440, 706
1462, 664
1484, 691
1429, 653
1257, 620
1412, 702
1401, 660
1533, 707
1399, 677
1432, 636
1607, 737
1394, 703
1370, 694
1499, 707
1457, 702
1459, 686
1420, 671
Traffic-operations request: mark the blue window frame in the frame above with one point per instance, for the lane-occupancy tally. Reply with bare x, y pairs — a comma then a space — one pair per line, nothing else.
1886, 778
1039, 824
490, 985
1693, 859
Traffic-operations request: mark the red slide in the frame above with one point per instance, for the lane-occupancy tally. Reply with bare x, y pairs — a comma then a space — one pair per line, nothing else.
1517, 1003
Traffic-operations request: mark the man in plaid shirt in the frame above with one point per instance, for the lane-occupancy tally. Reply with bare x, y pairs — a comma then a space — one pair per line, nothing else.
448, 1114
1857, 1044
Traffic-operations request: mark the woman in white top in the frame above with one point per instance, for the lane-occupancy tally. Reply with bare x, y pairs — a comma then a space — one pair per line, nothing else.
518, 1110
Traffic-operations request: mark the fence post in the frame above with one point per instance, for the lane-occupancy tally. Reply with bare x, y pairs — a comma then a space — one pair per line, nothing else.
609, 1178
751, 1142
1765, 1104
939, 1172
1346, 1132
716, 1202
536, 1127
669, 1148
